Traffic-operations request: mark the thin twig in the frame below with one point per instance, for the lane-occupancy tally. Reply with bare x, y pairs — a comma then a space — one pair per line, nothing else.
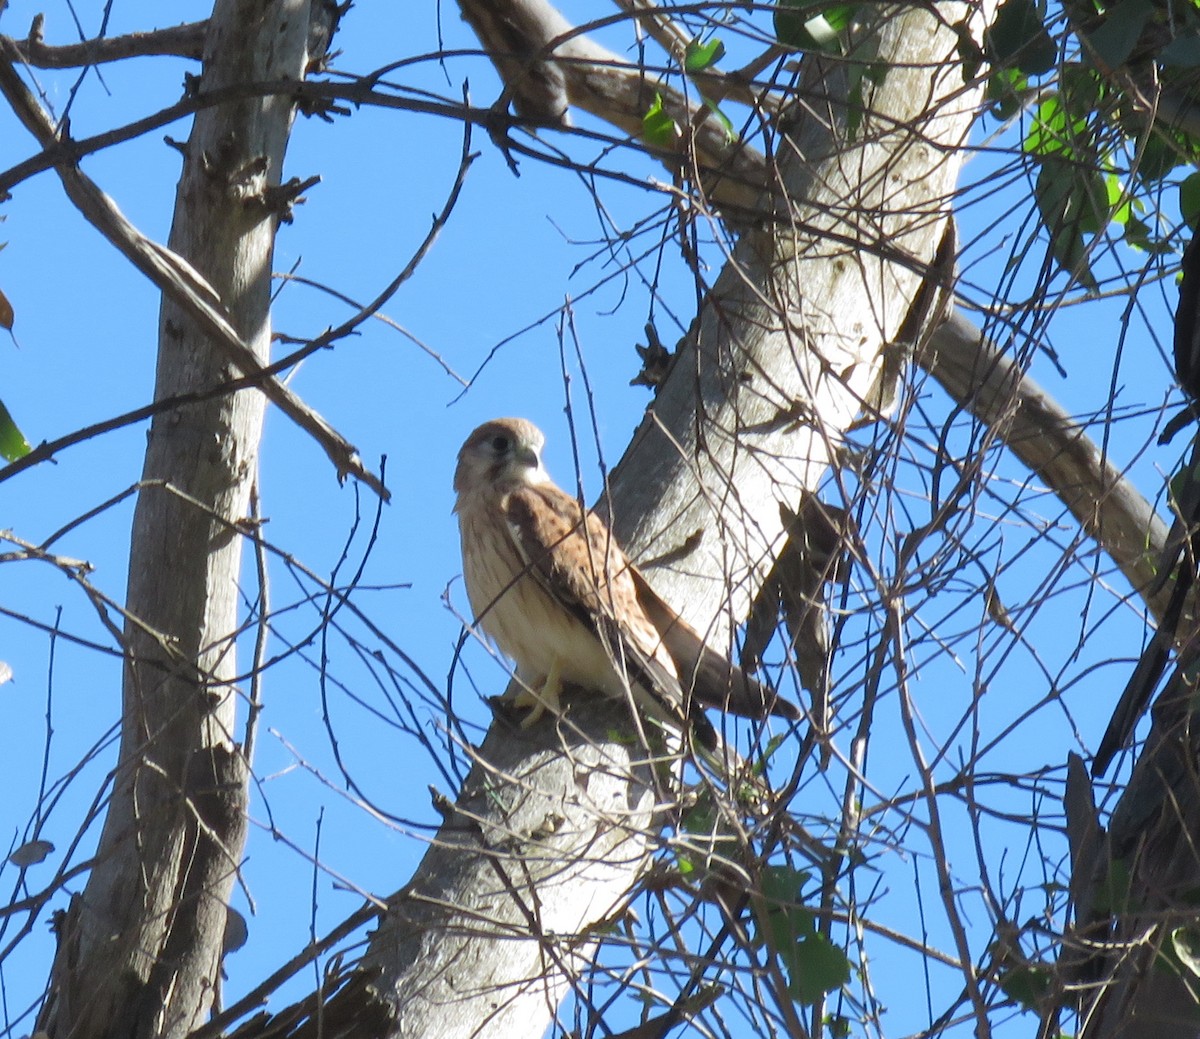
177, 280
933, 826
262, 629
350, 301
994, 388
439, 221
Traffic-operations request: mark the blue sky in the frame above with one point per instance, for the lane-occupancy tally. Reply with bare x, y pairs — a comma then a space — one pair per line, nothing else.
492, 290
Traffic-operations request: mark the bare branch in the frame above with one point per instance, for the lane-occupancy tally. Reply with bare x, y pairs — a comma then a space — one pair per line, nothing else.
992, 386
179, 281
717, 86
545, 62
183, 41
371, 309
317, 96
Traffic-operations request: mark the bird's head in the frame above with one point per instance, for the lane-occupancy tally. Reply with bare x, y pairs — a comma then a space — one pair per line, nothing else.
500, 455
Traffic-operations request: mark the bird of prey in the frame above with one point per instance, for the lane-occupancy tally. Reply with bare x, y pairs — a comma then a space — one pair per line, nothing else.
556, 594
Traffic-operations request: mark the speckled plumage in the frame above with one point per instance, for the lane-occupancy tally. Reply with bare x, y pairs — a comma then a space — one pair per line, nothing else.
558, 596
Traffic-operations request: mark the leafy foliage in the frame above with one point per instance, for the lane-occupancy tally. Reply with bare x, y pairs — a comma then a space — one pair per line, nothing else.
814, 965
13, 444
797, 26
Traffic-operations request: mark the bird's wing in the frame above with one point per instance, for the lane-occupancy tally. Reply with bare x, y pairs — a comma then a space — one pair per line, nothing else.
580, 566
714, 680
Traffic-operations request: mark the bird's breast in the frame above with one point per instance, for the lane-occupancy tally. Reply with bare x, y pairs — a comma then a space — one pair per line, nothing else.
532, 628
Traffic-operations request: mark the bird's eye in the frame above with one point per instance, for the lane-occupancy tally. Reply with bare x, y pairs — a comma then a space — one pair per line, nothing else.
499, 444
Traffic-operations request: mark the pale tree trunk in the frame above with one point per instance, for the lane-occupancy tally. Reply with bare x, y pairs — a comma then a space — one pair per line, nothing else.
140, 950
794, 336
543, 845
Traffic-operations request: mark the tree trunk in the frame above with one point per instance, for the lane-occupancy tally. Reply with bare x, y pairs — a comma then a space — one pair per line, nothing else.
793, 337
140, 950
785, 354
540, 850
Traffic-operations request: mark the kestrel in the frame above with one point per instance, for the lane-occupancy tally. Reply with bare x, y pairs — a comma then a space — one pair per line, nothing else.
559, 598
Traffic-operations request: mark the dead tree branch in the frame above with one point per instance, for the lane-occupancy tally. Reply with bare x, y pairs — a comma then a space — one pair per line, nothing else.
181, 41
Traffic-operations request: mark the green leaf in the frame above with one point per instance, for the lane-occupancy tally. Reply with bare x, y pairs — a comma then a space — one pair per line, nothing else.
1072, 198
839, 1027
1189, 198
1070, 251
1140, 235
1083, 93
796, 26
1186, 943
1118, 203
1160, 155
782, 883
1018, 38
859, 74
840, 16
700, 818
1060, 125
1048, 133
13, 444
1071, 202
658, 128
723, 119
1164, 151
970, 54
1027, 985
699, 56
1181, 53
1112, 894
815, 966
1113, 42
6, 313
786, 920
1004, 90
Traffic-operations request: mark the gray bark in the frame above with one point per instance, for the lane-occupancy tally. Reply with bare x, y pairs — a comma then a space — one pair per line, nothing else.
547, 835
140, 950
794, 334
788, 346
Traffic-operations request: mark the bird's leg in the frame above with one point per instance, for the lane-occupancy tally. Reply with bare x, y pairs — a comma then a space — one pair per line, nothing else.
539, 698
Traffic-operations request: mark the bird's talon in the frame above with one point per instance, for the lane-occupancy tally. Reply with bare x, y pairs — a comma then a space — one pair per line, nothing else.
538, 699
